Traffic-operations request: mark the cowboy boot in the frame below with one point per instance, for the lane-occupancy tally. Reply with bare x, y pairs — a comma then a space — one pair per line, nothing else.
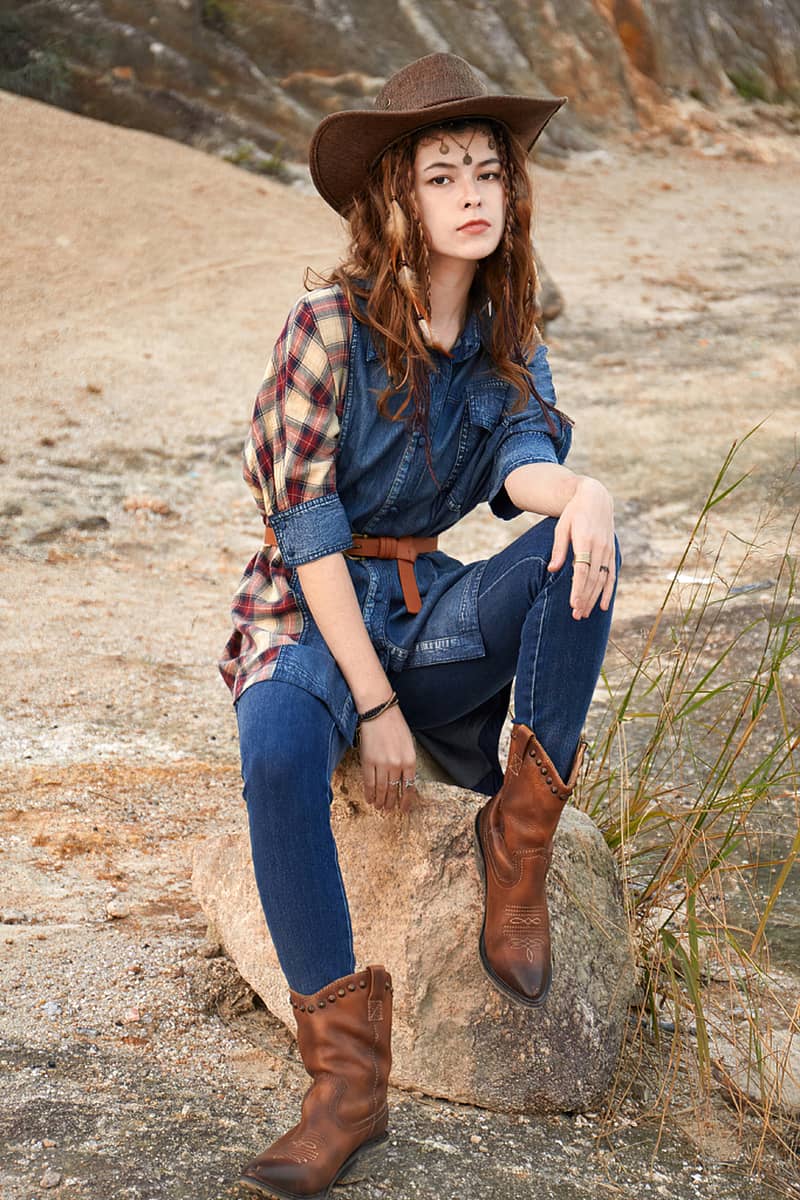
514, 842
343, 1034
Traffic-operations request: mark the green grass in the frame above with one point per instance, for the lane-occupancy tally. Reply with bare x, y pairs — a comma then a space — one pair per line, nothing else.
40, 72
246, 155
700, 742
218, 15
749, 86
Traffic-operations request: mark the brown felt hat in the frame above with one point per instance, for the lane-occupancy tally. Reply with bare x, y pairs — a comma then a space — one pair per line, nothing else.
437, 88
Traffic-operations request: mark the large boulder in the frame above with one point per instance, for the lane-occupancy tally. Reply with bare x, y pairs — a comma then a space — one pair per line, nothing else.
253, 80
416, 904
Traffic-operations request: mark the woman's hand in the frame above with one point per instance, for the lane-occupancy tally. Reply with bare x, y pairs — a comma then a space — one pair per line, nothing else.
387, 755
587, 522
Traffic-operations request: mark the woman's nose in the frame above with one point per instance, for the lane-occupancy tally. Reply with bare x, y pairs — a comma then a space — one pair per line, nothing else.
470, 197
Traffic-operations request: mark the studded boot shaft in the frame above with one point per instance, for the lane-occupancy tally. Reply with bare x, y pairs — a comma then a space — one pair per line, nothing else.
343, 1034
514, 843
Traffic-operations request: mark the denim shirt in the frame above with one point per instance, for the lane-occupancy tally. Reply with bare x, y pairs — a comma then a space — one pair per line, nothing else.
384, 487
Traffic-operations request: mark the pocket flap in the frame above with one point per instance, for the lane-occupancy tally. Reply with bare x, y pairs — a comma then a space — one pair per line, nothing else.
486, 402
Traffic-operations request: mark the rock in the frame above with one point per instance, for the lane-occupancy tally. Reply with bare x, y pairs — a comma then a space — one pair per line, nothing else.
117, 910
153, 504
50, 1179
14, 916
89, 523
550, 297
737, 1068
418, 908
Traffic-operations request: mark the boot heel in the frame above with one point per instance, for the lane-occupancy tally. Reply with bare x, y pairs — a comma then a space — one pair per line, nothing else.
364, 1161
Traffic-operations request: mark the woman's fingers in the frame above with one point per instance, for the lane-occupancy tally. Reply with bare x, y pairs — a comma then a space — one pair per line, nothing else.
410, 794
560, 546
388, 760
401, 790
610, 578
590, 581
389, 788
368, 776
381, 788
394, 782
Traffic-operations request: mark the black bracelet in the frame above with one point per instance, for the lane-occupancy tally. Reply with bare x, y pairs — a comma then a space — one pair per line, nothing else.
372, 713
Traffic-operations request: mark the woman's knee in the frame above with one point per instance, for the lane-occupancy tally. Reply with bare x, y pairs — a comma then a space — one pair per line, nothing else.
285, 743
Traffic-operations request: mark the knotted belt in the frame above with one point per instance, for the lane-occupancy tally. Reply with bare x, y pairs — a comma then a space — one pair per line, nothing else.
405, 549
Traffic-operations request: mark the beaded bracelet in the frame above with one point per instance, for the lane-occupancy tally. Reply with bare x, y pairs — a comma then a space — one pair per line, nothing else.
372, 713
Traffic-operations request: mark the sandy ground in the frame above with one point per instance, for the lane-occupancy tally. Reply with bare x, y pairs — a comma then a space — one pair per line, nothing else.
141, 287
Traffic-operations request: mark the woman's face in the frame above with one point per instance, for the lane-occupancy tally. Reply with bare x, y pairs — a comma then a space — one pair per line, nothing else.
462, 204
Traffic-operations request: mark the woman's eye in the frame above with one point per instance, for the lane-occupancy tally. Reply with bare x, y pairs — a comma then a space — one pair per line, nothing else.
437, 179
490, 175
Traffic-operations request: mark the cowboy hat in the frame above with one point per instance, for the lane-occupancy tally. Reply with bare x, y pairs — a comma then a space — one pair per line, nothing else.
437, 88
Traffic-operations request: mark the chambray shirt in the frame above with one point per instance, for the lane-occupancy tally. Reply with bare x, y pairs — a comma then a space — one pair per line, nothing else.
322, 462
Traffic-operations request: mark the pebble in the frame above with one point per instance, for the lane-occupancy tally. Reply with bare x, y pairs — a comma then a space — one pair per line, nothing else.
14, 916
117, 909
51, 1009
50, 1179
475, 1139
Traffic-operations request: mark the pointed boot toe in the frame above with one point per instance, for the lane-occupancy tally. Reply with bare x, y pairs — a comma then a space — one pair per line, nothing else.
344, 1035
514, 844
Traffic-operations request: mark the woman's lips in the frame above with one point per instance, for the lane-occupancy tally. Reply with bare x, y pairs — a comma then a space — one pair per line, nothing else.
474, 227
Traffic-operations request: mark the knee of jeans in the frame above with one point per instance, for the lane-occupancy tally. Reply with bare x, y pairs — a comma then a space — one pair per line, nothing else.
269, 771
281, 776
536, 545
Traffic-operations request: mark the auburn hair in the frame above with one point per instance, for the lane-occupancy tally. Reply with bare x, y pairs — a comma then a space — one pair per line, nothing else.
387, 268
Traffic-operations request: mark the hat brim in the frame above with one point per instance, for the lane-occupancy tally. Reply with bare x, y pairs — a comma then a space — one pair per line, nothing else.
346, 144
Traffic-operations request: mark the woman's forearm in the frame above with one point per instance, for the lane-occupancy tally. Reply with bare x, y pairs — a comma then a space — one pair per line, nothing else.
331, 597
544, 488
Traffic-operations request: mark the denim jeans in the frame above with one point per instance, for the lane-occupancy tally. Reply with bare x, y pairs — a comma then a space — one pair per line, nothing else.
290, 745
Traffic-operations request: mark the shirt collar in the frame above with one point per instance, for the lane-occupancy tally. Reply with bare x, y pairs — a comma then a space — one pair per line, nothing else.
468, 341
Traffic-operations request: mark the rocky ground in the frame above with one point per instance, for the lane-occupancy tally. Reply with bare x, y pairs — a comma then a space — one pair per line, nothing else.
141, 287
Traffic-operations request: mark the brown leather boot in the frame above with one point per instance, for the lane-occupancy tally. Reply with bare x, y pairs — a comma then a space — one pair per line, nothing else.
514, 842
343, 1033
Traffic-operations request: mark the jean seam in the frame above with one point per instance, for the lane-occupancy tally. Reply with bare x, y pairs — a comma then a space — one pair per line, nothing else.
536, 660
513, 567
329, 769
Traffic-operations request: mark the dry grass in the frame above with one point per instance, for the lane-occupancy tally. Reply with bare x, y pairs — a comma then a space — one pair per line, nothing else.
695, 770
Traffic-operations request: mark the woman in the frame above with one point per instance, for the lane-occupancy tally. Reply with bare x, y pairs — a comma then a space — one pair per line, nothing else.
407, 391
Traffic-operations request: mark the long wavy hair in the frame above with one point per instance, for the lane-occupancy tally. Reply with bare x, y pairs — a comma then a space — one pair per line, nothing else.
387, 268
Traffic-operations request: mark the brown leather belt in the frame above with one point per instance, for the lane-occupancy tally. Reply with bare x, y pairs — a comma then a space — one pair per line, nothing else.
404, 549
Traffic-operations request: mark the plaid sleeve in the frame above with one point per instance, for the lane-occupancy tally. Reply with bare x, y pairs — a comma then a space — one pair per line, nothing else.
529, 436
289, 456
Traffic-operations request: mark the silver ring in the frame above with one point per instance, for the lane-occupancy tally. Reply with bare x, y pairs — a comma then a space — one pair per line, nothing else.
409, 783
394, 782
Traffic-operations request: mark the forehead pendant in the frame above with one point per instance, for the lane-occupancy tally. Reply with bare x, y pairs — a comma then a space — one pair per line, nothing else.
467, 160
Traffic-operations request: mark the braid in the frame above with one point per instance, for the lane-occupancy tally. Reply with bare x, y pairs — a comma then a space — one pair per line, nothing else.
422, 253
519, 286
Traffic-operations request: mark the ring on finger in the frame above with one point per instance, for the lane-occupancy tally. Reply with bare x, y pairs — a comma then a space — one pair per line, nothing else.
394, 782
410, 782
583, 558
604, 569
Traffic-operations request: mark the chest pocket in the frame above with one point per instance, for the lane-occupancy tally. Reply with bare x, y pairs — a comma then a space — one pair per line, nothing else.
481, 425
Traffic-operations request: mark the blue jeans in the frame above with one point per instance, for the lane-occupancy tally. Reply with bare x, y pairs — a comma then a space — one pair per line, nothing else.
290, 745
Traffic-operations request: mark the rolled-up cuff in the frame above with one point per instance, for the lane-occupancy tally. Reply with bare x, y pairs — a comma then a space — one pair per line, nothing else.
311, 530
520, 450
